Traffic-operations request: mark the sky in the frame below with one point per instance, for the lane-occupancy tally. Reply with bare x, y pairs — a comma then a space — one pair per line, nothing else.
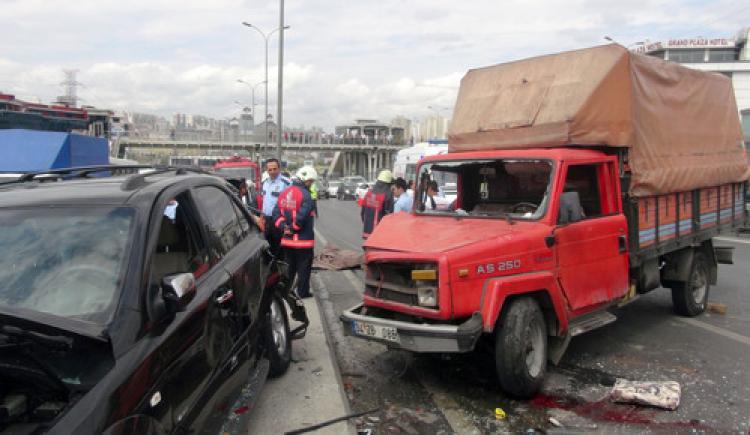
343, 59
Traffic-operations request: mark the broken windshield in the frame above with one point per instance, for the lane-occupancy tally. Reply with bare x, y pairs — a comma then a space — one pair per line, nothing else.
517, 188
65, 261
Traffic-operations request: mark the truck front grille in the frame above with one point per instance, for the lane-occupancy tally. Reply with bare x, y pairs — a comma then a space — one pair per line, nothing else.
392, 281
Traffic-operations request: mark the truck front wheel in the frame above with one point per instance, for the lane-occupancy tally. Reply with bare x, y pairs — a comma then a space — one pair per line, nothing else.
521, 348
690, 297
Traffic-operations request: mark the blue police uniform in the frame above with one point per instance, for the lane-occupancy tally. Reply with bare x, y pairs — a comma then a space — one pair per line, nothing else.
271, 189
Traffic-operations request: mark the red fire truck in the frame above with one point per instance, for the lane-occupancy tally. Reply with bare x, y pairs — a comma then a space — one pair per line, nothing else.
584, 179
237, 166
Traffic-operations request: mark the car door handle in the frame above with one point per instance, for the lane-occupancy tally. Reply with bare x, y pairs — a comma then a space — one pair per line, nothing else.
224, 297
622, 242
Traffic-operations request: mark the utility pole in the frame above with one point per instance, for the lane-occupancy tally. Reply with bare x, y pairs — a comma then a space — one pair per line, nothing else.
280, 103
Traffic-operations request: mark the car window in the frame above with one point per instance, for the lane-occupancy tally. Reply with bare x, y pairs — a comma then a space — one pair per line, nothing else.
179, 245
66, 261
245, 225
221, 222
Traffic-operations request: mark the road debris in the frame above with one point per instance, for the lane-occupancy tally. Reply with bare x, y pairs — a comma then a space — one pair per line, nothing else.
335, 258
716, 308
555, 422
500, 414
664, 394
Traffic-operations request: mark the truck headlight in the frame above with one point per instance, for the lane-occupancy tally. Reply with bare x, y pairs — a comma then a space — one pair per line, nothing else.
427, 296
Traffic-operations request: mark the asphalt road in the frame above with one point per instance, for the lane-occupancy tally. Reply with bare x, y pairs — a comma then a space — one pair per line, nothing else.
707, 355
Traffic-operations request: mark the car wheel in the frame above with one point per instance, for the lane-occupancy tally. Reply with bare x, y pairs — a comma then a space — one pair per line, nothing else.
521, 348
689, 297
278, 340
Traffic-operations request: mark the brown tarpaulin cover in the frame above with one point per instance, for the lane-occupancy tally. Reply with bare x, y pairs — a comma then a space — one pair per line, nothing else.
681, 125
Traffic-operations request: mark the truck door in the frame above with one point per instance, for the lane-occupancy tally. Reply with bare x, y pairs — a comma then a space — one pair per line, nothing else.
591, 243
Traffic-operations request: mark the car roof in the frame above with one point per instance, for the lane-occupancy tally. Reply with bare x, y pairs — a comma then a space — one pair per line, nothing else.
135, 190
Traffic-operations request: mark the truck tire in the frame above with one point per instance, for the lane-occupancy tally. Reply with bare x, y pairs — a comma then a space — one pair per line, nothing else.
689, 297
278, 341
521, 348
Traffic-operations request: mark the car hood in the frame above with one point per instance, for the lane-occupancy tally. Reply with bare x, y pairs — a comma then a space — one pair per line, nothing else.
52, 325
406, 232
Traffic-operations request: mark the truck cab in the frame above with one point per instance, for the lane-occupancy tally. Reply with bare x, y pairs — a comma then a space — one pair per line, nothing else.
535, 234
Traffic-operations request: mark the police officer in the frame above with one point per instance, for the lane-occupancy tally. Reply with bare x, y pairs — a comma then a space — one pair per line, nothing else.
314, 196
271, 188
293, 216
378, 202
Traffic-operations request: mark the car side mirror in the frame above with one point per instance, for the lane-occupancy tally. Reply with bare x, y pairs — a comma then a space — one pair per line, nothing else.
178, 290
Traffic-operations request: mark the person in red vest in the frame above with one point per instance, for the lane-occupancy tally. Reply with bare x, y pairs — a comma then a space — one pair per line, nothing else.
294, 218
378, 202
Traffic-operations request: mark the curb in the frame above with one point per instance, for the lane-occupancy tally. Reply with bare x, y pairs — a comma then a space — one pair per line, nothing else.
327, 313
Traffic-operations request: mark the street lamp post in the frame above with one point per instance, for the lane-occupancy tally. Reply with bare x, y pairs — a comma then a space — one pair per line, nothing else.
265, 38
252, 93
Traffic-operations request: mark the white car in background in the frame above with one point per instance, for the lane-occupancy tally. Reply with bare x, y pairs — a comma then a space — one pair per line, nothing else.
362, 189
333, 188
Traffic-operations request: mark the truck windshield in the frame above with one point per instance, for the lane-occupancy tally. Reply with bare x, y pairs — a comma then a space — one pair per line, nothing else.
517, 188
66, 261
248, 172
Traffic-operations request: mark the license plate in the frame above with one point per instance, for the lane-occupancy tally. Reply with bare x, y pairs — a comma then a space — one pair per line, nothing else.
376, 331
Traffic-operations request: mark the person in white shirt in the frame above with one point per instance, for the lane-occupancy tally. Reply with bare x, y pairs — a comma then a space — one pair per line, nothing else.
404, 200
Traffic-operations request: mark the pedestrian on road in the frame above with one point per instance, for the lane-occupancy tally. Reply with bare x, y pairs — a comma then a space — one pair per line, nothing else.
404, 201
294, 218
271, 189
377, 203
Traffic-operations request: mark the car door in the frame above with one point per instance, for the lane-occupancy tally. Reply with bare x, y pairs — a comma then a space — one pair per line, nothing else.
183, 362
591, 251
239, 249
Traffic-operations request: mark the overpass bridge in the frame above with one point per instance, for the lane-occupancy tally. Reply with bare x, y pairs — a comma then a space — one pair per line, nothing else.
348, 159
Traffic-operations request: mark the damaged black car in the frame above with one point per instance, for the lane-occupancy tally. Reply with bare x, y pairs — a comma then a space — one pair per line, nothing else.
141, 303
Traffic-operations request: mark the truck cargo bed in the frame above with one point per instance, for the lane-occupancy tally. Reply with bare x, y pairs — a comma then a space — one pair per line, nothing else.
665, 223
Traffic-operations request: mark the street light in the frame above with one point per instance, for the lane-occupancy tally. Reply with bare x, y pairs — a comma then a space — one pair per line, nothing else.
265, 38
252, 91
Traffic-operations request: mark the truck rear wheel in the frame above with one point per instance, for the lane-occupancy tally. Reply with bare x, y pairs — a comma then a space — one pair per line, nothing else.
689, 297
521, 348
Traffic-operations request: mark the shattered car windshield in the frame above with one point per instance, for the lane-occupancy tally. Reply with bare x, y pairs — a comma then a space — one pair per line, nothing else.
517, 188
64, 261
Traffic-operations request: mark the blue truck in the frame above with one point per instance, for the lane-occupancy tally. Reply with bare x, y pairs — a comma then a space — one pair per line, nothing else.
32, 151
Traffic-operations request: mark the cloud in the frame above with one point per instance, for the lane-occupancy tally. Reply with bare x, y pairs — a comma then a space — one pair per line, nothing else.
343, 58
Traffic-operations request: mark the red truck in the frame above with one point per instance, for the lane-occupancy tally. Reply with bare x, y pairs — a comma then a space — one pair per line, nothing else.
238, 166
585, 179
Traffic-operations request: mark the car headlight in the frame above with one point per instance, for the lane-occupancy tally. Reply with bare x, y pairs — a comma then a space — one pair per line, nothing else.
427, 296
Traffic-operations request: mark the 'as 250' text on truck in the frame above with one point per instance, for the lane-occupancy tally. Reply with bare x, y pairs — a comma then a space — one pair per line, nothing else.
584, 179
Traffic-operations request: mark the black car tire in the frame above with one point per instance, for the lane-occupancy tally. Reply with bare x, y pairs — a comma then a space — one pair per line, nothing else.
521, 348
689, 298
278, 340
